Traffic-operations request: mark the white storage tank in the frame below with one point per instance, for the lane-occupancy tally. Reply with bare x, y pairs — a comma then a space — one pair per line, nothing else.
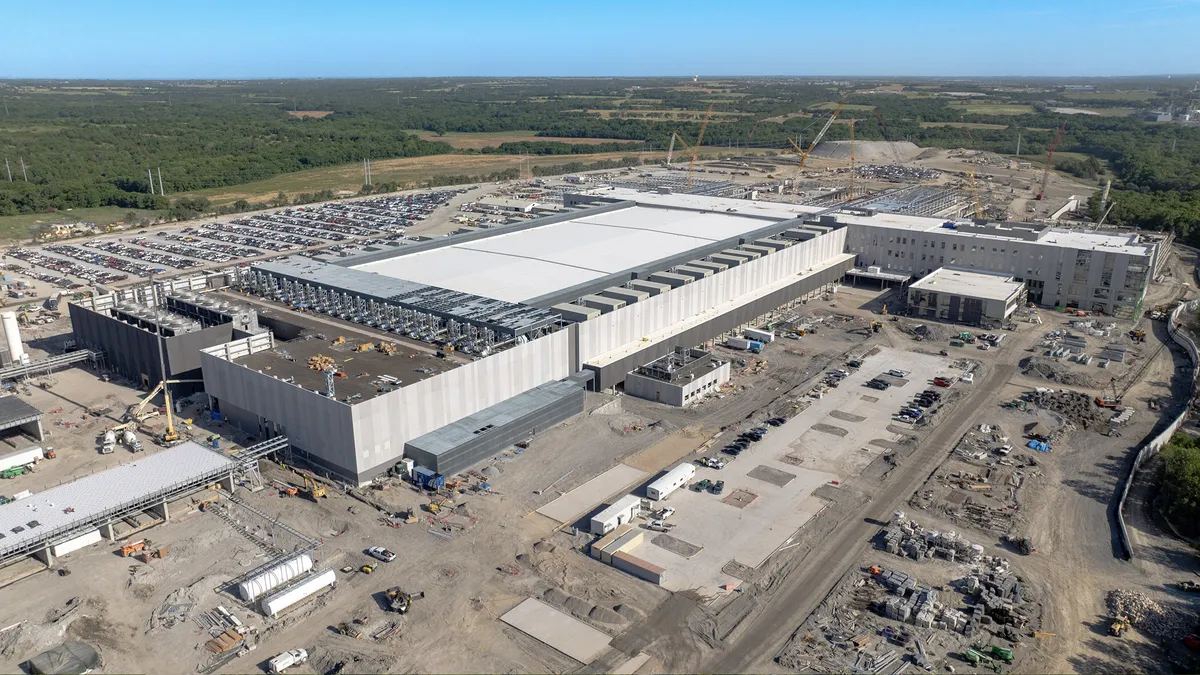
274, 577
12, 337
672, 481
273, 605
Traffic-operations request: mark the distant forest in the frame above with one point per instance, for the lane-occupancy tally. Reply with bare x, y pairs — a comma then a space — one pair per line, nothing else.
87, 144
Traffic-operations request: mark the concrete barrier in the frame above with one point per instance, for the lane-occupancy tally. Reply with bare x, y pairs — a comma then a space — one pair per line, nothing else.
1151, 447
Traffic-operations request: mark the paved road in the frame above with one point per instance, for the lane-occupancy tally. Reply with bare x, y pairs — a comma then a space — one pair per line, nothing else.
808, 585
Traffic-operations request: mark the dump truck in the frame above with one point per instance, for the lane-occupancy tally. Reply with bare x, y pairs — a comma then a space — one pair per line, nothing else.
292, 657
400, 601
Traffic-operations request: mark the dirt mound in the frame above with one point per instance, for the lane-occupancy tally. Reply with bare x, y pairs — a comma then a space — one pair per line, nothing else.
326, 660
556, 597
629, 612
604, 615
578, 606
866, 151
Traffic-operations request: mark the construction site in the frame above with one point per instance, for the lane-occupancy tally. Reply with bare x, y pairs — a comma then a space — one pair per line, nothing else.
425, 437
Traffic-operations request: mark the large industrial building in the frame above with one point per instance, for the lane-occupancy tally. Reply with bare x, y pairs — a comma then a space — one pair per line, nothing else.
472, 342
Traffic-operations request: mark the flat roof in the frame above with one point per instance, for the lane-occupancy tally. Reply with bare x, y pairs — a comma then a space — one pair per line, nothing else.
91, 496
14, 411
969, 283
290, 359
530, 263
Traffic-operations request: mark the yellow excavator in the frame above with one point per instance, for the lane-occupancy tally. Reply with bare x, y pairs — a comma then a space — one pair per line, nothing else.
312, 489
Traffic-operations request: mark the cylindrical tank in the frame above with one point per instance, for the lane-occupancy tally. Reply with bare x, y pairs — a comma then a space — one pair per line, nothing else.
109, 437
128, 438
12, 337
274, 577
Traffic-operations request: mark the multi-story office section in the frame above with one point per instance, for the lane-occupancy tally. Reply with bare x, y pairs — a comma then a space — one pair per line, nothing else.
1096, 271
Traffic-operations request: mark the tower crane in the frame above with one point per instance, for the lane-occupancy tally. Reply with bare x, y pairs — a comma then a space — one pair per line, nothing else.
816, 139
696, 148
1050, 161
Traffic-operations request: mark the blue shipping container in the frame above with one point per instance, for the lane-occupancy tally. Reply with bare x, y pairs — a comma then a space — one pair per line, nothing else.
430, 480
755, 347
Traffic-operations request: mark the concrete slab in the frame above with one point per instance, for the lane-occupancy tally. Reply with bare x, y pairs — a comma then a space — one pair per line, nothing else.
561, 631
586, 497
632, 665
770, 505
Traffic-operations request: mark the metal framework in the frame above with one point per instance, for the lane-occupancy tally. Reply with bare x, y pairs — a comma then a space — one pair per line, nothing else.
46, 366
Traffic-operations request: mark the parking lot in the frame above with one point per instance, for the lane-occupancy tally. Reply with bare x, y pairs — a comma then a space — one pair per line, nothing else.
767, 493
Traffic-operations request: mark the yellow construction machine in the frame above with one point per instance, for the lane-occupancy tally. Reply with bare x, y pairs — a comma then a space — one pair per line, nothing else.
339, 340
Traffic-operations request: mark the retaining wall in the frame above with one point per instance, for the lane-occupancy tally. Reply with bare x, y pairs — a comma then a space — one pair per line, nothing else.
1155, 444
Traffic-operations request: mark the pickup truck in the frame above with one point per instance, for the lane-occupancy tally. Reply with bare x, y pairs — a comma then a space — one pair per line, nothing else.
292, 657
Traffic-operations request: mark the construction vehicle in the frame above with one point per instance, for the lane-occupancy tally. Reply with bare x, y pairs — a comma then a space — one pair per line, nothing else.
438, 505
14, 472
1113, 401
1118, 626
339, 340
133, 547
292, 657
368, 568
400, 601
1189, 586
286, 488
388, 348
1022, 544
348, 630
1137, 335
995, 652
364, 347
313, 489
1050, 161
875, 326
976, 658
883, 312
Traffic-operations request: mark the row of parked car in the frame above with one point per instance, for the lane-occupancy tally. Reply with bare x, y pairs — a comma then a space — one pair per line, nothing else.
920, 406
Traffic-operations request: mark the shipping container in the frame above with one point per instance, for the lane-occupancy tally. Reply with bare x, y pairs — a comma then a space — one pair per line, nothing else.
671, 481
20, 458
599, 545
737, 343
639, 568
274, 577
625, 542
272, 605
763, 336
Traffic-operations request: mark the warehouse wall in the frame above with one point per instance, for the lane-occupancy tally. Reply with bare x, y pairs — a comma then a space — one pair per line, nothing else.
612, 374
630, 324
133, 352
265, 405
383, 424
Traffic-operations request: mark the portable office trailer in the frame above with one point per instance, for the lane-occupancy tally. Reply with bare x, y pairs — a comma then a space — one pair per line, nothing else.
672, 481
671, 279
652, 287
21, 458
624, 542
618, 513
605, 305
694, 272
576, 313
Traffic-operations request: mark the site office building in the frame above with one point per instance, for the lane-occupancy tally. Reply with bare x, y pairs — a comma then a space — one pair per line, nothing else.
1104, 272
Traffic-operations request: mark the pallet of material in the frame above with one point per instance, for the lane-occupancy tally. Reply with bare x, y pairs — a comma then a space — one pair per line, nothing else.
223, 642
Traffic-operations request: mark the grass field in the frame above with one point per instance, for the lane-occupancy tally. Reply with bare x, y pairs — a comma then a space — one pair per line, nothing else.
1110, 95
1103, 112
20, 226
315, 114
963, 125
478, 140
993, 108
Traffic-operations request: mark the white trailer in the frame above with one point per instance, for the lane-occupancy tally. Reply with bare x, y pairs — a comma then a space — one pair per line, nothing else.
21, 458
672, 481
618, 513
274, 604
763, 336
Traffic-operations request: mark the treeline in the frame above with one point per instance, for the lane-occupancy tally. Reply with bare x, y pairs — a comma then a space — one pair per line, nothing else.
553, 148
1181, 482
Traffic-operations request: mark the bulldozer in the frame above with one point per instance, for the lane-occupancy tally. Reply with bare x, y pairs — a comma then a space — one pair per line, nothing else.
400, 601
339, 340
1119, 626
347, 629
1137, 335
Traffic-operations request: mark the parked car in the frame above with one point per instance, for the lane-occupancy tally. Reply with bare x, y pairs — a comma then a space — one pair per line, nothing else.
717, 487
942, 382
878, 384
732, 450
894, 372
702, 485
854, 363
381, 553
667, 512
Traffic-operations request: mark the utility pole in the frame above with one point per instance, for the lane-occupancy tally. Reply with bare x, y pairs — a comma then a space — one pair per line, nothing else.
161, 191
8, 168
6, 106
1018, 145
364, 170
151, 175
369, 171
23, 172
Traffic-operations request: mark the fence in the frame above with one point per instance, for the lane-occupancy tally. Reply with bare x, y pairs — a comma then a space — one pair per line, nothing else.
1155, 444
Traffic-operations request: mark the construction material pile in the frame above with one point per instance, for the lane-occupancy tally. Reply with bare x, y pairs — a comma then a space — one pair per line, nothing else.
1149, 616
1050, 369
1077, 406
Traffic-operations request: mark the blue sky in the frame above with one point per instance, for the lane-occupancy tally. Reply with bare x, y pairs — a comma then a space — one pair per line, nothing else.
396, 38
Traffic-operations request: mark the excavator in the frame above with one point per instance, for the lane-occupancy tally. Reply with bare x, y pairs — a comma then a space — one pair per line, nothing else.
312, 489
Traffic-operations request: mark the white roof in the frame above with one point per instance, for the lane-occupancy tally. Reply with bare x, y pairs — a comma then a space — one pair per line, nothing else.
772, 210
519, 266
92, 495
969, 283
618, 507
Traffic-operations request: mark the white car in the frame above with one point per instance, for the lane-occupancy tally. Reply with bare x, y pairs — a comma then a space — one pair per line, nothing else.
381, 553
668, 512
897, 373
